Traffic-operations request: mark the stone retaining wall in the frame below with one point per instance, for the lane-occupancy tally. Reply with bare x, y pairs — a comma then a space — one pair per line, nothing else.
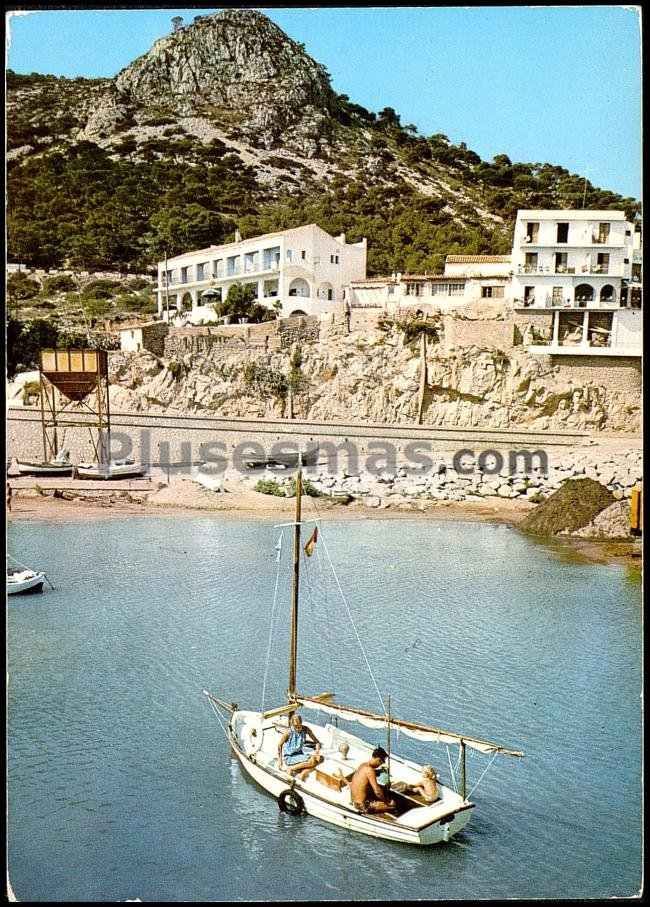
491, 335
222, 339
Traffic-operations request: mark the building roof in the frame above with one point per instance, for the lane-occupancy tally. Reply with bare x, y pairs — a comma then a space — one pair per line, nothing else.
569, 214
478, 259
262, 236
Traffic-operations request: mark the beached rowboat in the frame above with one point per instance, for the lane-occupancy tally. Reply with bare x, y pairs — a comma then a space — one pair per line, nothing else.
116, 469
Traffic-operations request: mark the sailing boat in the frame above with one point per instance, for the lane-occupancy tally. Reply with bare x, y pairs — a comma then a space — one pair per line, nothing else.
323, 792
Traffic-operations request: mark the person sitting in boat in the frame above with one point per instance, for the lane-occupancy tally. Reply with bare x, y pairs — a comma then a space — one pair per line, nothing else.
292, 750
367, 794
427, 787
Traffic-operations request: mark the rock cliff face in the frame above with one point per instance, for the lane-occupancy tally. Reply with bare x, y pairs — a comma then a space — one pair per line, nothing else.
236, 68
373, 376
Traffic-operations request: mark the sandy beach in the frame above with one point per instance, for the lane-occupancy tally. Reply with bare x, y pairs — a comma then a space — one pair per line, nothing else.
183, 499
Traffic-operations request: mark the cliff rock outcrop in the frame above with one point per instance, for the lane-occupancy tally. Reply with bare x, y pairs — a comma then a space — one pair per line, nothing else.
236, 68
374, 376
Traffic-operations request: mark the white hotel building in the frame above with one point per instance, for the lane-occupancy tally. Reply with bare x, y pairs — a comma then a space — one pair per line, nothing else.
585, 266
299, 271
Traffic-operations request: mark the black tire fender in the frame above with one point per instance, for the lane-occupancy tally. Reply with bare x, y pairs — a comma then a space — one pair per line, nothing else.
291, 802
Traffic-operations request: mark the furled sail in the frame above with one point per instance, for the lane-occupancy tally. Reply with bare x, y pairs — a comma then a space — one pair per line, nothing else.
422, 732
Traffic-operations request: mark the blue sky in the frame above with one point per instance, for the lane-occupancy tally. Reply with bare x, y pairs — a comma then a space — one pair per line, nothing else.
556, 84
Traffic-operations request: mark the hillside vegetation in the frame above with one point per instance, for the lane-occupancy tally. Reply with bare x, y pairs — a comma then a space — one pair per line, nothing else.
108, 173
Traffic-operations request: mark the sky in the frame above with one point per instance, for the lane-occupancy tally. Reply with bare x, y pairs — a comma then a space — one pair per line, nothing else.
554, 84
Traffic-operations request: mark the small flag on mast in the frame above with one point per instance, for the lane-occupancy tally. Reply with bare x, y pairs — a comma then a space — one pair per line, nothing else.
311, 542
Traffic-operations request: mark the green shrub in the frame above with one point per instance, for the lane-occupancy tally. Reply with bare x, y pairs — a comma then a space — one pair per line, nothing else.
176, 368
59, 283
20, 286
307, 488
104, 288
137, 283
265, 380
270, 486
31, 389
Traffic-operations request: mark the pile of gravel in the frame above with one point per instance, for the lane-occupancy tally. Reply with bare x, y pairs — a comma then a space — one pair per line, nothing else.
574, 505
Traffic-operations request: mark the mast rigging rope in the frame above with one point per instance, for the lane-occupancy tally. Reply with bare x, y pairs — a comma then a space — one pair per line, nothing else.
347, 607
275, 600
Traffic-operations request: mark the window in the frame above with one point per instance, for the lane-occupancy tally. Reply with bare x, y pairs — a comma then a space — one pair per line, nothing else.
330, 294
217, 268
271, 258
183, 275
455, 288
492, 292
289, 254
608, 294
334, 259
529, 295
303, 254
199, 271
556, 296
562, 233
232, 265
391, 291
602, 263
530, 264
250, 261
603, 233
532, 232
561, 262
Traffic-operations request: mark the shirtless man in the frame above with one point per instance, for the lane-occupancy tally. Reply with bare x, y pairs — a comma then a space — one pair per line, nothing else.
367, 794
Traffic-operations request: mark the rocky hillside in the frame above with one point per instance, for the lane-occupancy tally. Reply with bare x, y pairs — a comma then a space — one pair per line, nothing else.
375, 375
227, 122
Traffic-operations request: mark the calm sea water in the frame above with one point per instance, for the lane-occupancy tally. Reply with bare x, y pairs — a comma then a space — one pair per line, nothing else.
120, 781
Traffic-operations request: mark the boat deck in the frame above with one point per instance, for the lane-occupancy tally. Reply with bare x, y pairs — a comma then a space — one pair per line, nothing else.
328, 780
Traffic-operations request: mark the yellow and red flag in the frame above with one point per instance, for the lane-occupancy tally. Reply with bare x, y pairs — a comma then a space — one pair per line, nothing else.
311, 542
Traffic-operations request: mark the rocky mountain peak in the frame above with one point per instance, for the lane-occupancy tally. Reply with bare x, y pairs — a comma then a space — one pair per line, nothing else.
235, 68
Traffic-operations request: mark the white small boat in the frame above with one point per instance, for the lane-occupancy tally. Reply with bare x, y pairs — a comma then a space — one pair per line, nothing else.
323, 790
116, 469
24, 581
59, 466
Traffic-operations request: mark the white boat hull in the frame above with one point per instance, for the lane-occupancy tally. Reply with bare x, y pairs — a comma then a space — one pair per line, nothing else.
447, 816
43, 469
25, 583
109, 470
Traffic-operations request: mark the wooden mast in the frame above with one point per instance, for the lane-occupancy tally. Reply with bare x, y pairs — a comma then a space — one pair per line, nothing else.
293, 652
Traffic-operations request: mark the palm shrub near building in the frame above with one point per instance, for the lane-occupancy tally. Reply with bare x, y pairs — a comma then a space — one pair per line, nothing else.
241, 302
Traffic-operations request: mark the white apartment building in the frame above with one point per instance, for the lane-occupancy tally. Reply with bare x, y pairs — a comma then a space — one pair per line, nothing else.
569, 260
465, 279
298, 271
